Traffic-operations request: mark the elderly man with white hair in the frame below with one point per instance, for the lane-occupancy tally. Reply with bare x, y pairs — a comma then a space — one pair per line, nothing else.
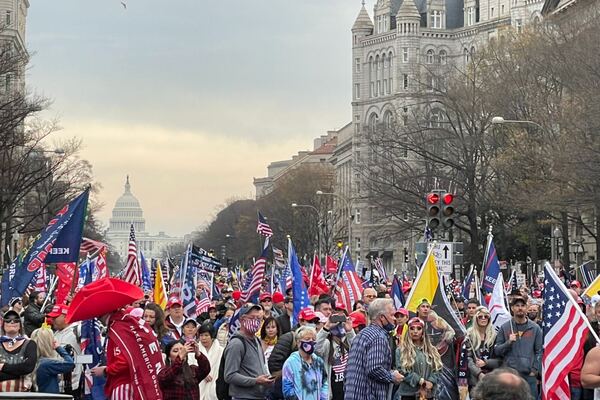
369, 374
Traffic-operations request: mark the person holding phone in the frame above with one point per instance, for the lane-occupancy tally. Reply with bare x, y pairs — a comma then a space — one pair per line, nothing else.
179, 380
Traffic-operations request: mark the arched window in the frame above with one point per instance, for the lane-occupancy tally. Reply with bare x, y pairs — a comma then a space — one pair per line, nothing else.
429, 56
388, 120
373, 118
443, 57
472, 51
466, 55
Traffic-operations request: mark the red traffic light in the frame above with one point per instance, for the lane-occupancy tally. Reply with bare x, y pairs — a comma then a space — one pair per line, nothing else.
433, 198
448, 198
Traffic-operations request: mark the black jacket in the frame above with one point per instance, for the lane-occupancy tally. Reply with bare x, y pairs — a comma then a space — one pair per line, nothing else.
286, 345
33, 318
284, 323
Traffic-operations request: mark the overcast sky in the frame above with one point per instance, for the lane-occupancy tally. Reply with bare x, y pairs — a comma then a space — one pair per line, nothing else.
191, 98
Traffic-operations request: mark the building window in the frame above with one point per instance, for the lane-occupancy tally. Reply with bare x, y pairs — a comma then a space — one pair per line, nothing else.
443, 57
470, 16
390, 86
466, 55
357, 244
357, 64
405, 81
8, 18
436, 19
405, 54
429, 56
502, 9
357, 216
372, 89
519, 25
357, 90
492, 12
391, 60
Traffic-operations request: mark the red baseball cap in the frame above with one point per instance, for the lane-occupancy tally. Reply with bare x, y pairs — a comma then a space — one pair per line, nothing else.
576, 284
307, 314
59, 309
358, 318
340, 306
278, 297
236, 295
402, 311
265, 296
174, 300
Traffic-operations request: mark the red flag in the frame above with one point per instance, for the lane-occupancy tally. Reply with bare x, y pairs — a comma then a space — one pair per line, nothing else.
65, 273
101, 264
318, 285
331, 265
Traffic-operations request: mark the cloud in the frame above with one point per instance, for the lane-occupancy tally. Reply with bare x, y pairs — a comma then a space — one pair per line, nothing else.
179, 177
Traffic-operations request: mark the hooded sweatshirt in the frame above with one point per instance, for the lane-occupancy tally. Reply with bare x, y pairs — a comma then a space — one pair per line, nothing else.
525, 354
244, 362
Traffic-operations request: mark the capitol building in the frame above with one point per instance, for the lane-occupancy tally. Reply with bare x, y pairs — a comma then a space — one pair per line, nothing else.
127, 211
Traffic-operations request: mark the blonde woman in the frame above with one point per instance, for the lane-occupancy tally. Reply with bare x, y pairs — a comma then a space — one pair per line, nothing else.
52, 361
420, 363
480, 346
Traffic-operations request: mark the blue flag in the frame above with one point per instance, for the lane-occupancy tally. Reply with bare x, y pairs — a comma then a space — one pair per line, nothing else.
7, 278
146, 281
492, 268
397, 294
466, 290
58, 242
300, 293
188, 286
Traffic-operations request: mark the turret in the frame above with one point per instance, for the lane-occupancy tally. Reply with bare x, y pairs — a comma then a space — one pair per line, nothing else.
363, 26
408, 19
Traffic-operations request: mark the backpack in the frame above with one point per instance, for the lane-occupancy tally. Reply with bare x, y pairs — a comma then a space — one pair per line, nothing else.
222, 387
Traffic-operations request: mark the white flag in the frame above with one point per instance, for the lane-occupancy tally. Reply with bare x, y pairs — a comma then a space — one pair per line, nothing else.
497, 306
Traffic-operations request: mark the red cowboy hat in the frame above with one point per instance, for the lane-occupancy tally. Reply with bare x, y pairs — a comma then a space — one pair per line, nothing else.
101, 297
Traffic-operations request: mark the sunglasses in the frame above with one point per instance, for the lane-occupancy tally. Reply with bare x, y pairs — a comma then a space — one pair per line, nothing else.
370, 296
12, 321
483, 317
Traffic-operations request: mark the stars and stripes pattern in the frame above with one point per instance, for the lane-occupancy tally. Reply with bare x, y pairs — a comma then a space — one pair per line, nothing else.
131, 272
89, 246
565, 329
380, 269
341, 366
279, 258
258, 276
263, 228
203, 302
349, 285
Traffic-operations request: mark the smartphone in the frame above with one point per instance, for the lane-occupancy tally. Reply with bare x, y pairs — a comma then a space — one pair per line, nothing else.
337, 318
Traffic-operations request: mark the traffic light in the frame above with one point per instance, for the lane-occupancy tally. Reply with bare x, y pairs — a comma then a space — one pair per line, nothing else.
433, 210
447, 210
406, 255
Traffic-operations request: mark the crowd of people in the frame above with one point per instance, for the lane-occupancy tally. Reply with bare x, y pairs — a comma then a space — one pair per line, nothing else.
325, 352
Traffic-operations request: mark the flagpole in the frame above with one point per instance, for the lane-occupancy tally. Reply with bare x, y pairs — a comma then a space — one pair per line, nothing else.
477, 288
50, 291
184, 270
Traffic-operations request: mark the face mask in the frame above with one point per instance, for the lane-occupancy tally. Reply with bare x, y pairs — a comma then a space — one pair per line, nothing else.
308, 347
251, 325
532, 316
388, 326
311, 325
338, 331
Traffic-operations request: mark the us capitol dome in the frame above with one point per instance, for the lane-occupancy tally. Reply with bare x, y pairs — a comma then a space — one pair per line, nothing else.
127, 211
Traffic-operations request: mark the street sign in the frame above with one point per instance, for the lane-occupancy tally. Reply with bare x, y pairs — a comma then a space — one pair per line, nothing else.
443, 253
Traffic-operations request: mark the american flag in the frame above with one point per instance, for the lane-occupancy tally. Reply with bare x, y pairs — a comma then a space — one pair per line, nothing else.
131, 272
587, 276
349, 283
90, 246
565, 330
263, 228
279, 258
203, 302
258, 276
381, 269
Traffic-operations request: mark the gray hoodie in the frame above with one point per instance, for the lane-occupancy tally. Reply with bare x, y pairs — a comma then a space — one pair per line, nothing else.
524, 355
244, 362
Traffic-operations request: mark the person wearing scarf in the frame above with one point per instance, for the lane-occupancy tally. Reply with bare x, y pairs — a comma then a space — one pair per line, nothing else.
212, 349
269, 333
180, 380
18, 355
133, 356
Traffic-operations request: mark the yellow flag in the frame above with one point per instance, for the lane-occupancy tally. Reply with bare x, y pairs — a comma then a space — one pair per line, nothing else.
593, 288
160, 292
425, 285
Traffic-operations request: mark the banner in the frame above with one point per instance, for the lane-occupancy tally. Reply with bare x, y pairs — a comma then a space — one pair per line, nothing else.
199, 258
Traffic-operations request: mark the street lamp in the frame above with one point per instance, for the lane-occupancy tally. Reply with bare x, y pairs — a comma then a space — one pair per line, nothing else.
349, 210
500, 121
557, 233
313, 208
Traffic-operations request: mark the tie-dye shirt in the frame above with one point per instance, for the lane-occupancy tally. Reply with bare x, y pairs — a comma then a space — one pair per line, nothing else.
304, 381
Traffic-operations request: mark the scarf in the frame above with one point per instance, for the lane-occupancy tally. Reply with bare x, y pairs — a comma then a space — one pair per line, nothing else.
270, 342
12, 341
142, 351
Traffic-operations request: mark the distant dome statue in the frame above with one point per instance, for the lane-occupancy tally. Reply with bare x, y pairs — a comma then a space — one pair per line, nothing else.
127, 211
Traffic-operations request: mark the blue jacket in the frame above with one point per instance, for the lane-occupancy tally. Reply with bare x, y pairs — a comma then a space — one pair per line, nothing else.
48, 370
